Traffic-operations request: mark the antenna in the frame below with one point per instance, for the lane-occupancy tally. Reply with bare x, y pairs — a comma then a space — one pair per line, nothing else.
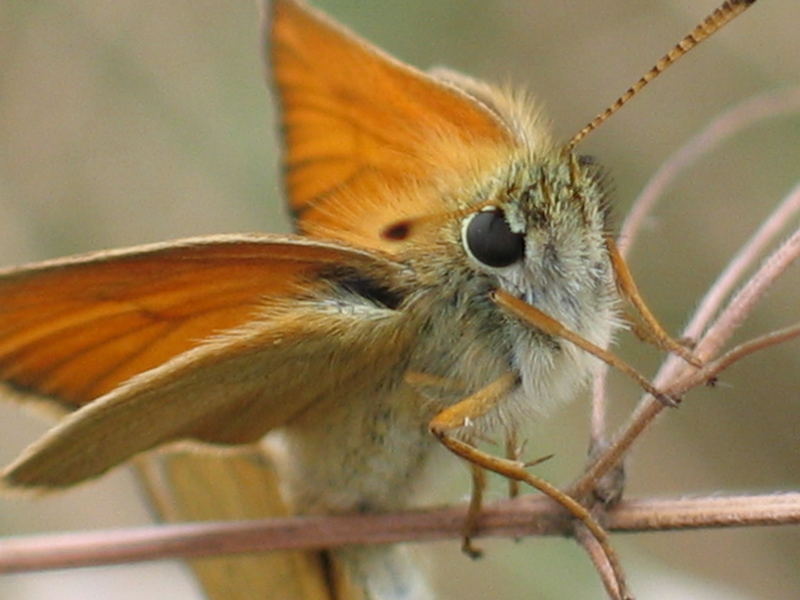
729, 10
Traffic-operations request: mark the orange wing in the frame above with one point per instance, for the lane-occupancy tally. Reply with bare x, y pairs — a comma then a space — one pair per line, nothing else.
367, 136
73, 329
213, 339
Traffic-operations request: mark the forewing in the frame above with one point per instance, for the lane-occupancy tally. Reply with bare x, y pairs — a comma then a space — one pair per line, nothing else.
232, 388
367, 137
73, 329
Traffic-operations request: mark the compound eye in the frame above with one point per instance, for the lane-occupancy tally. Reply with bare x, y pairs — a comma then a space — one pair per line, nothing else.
488, 238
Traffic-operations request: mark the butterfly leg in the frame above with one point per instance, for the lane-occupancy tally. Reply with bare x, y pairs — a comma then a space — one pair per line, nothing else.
548, 324
477, 405
421, 381
465, 412
513, 453
649, 330
474, 511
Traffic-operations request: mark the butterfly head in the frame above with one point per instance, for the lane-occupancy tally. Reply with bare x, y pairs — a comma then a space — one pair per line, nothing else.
541, 234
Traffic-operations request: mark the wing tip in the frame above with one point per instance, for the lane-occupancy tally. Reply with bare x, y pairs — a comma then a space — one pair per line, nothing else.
12, 486
40, 469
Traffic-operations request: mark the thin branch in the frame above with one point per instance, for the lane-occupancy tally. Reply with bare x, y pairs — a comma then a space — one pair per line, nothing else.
709, 371
515, 470
787, 210
598, 419
751, 111
669, 377
524, 516
745, 300
706, 512
599, 560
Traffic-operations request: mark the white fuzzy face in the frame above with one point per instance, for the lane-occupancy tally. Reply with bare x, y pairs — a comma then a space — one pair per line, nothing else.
546, 246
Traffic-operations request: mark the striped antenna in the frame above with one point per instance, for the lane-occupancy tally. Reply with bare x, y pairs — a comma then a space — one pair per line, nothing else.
729, 10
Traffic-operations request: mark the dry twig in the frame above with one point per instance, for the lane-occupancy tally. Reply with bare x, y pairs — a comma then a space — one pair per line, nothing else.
524, 516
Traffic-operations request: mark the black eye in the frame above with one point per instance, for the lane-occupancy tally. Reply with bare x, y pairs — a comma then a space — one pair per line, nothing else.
489, 239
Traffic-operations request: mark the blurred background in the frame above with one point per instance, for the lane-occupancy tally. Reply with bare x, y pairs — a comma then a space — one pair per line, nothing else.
137, 121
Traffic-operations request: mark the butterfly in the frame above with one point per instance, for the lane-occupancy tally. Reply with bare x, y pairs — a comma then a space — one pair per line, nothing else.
453, 271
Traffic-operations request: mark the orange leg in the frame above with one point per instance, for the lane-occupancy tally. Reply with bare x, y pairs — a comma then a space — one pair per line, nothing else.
477, 405
650, 329
513, 453
549, 325
474, 511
